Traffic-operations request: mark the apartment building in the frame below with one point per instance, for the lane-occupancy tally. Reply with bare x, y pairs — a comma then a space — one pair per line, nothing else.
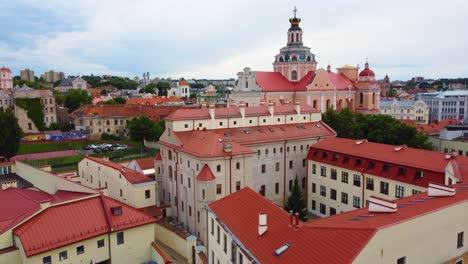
446, 105
121, 183
417, 110
345, 173
210, 153
113, 119
427, 227
53, 76
27, 75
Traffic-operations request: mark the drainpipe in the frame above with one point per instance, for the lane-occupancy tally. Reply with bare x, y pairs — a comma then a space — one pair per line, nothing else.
177, 183
284, 172
230, 174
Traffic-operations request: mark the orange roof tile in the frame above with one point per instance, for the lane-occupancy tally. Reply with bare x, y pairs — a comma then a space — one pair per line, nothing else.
156, 100
68, 223
131, 175
145, 163
205, 174
155, 113
183, 82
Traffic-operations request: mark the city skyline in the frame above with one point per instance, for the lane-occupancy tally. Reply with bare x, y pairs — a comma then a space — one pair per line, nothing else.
216, 40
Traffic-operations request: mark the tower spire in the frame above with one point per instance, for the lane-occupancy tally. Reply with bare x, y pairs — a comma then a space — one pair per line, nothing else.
295, 11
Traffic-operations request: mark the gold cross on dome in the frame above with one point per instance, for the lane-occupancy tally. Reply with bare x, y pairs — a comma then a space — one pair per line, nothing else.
295, 11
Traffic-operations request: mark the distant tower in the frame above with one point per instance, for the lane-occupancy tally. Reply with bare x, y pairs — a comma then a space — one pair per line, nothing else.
6, 78
295, 60
367, 91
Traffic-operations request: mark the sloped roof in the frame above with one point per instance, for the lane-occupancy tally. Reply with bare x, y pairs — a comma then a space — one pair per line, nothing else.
132, 176
154, 113
276, 82
158, 156
205, 174
68, 223
430, 129
320, 244
156, 100
145, 163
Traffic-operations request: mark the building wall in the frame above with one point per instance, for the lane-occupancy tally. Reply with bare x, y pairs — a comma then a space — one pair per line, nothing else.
441, 145
97, 175
27, 75
418, 112
98, 125
6, 80
361, 191
439, 230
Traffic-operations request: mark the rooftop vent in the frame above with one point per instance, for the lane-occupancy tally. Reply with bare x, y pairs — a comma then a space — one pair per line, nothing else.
282, 249
398, 148
116, 210
378, 204
436, 190
262, 223
360, 141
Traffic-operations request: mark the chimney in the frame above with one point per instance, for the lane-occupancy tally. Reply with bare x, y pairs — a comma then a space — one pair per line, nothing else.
271, 108
242, 109
227, 144
211, 110
9, 184
296, 219
262, 102
262, 223
381, 205
44, 204
203, 105
297, 106
291, 218
437, 190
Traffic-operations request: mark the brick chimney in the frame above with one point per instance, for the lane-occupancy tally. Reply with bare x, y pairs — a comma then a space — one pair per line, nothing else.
262, 223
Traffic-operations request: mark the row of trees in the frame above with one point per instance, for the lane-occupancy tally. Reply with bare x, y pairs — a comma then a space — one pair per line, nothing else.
118, 82
161, 88
375, 128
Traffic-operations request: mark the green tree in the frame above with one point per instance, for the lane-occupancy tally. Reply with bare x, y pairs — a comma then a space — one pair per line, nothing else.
151, 88
76, 98
143, 127
119, 100
59, 98
392, 93
163, 88
296, 202
10, 133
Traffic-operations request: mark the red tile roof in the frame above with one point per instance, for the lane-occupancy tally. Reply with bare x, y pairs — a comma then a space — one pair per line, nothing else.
23, 203
205, 174
158, 156
156, 113
68, 223
5, 69
320, 244
203, 258
418, 158
152, 210
430, 129
156, 100
183, 82
145, 163
225, 112
131, 175
161, 253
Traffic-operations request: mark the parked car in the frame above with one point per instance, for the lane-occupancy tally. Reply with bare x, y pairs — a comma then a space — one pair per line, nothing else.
121, 147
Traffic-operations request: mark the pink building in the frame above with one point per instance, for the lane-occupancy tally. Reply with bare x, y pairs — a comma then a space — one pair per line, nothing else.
6, 79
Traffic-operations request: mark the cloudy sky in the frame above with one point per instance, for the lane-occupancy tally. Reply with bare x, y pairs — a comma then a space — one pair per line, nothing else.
217, 38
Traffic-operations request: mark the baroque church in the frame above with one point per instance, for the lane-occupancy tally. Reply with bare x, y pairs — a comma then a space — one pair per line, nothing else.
295, 78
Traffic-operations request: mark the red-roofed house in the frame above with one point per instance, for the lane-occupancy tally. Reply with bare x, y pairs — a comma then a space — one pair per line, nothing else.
295, 78
344, 173
121, 183
209, 153
424, 228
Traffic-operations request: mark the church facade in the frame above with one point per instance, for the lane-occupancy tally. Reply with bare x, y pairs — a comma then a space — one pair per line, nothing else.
295, 78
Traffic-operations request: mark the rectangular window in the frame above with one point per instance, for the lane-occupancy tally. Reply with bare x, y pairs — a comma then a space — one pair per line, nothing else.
313, 205
369, 184
218, 189
100, 243
304, 162
344, 198
415, 192
120, 238
323, 171
357, 180
460, 239
323, 209
238, 185
356, 202
63, 255
237, 165
263, 168
147, 194
333, 194
314, 187
277, 188
333, 174
225, 243
47, 260
314, 168
323, 191
212, 226
290, 164
290, 185
277, 166
332, 211
344, 177
399, 191
80, 250
218, 235
384, 187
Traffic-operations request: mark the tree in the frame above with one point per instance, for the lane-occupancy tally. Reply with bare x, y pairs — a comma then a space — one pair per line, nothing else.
119, 100
59, 98
296, 202
391, 93
151, 88
75, 98
143, 127
163, 88
10, 133
375, 128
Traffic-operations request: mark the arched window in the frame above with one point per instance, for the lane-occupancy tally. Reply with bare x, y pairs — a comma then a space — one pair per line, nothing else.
297, 37
373, 98
328, 103
294, 75
170, 172
294, 58
281, 59
246, 83
361, 98
308, 58
314, 104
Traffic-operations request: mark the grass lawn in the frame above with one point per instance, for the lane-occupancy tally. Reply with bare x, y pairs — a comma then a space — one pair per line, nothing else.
38, 147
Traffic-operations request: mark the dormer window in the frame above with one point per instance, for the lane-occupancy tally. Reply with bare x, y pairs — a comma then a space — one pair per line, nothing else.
335, 156
371, 165
401, 171
345, 159
358, 162
116, 210
386, 167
